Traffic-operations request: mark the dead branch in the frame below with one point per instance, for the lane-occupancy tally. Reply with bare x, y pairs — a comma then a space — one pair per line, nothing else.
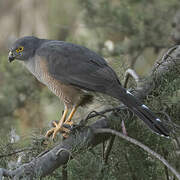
130, 72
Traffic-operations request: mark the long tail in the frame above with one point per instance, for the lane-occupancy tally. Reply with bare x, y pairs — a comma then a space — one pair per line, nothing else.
142, 111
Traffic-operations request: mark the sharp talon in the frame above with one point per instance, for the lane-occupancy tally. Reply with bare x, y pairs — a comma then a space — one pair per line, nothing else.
59, 127
49, 132
54, 123
54, 131
65, 135
54, 134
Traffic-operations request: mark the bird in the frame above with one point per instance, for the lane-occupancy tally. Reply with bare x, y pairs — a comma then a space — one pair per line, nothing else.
72, 72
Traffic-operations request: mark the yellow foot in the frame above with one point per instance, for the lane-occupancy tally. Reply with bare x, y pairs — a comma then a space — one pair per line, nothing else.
55, 130
69, 123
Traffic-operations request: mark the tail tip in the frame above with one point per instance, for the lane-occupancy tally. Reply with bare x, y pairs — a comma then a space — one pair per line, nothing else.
164, 136
144, 106
129, 92
157, 119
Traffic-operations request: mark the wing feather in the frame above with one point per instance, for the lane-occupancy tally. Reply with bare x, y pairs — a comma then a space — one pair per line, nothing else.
78, 66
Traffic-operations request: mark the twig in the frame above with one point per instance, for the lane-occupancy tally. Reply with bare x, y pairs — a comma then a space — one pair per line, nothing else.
108, 148
93, 114
169, 51
165, 56
174, 125
130, 72
103, 151
165, 167
133, 176
137, 143
64, 172
16, 151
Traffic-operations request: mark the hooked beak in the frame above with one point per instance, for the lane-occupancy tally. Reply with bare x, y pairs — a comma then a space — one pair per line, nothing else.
11, 57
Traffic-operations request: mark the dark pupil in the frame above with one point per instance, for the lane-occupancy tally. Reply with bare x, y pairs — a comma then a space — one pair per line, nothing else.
20, 49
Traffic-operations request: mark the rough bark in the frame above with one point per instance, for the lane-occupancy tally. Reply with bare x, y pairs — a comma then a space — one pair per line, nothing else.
85, 138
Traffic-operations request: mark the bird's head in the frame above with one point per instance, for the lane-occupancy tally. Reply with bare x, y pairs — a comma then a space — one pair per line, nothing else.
23, 48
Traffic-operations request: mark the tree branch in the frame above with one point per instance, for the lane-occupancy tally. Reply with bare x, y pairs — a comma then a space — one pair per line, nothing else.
165, 69
130, 72
137, 143
16, 152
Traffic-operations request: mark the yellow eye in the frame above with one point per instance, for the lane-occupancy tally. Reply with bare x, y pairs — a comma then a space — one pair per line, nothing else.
19, 49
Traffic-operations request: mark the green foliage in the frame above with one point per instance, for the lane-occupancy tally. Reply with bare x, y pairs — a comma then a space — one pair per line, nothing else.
17, 88
139, 29
136, 20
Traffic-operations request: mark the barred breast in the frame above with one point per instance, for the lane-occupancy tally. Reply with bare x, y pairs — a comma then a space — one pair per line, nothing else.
69, 94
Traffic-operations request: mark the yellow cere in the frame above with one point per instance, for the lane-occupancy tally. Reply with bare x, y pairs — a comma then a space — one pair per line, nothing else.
19, 49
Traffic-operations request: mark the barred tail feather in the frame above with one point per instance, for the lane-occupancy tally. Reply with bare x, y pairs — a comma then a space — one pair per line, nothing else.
151, 120
143, 112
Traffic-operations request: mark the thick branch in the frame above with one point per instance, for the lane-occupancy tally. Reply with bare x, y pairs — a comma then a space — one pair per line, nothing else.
60, 154
165, 70
47, 162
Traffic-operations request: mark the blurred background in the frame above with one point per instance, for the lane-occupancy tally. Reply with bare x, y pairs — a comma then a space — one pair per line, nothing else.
127, 33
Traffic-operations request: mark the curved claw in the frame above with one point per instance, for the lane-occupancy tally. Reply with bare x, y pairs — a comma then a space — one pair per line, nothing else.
58, 127
65, 135
48, 133
55, 130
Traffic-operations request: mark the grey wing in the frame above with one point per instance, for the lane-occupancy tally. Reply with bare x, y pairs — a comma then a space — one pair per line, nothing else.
78, 66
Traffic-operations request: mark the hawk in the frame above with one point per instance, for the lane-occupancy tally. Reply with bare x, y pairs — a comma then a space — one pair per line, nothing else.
71, 71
